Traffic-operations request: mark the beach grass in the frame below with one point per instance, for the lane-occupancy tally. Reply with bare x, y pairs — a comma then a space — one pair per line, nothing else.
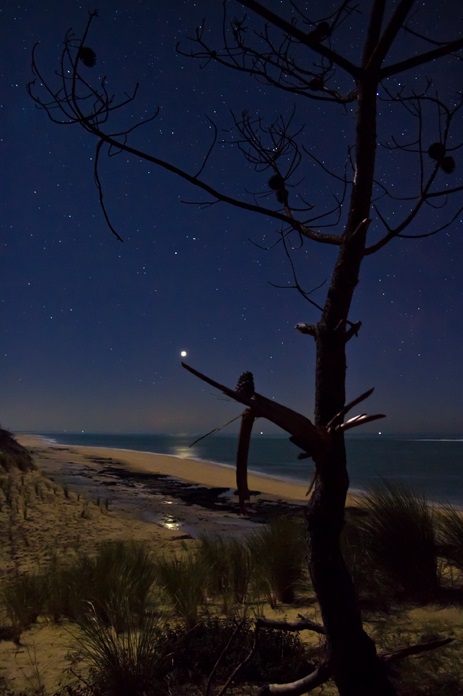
23, 599
279, 553
134, 602
450, 526
230, 569
121, 662
183, 579
398, 541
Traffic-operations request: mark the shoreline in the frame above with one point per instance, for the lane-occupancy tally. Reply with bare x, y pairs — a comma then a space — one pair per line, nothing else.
195, 471
290, 489
209, 462
181, 498
208, 473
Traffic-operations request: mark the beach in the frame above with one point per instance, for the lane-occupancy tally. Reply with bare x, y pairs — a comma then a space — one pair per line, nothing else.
188, 469
170, 492
431, 465
82, 496
79, 497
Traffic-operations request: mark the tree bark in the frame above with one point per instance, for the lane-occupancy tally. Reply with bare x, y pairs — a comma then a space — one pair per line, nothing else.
351, 654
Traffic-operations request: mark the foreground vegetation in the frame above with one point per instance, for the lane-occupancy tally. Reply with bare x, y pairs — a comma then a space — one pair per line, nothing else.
143, 622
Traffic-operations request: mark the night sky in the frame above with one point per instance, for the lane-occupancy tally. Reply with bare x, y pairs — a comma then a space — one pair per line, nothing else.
92, 329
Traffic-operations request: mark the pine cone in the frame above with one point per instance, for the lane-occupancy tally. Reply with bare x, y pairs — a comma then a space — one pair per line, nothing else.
87, 56
245, 384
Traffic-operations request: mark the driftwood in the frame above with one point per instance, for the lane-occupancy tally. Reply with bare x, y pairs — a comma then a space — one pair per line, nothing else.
244, 440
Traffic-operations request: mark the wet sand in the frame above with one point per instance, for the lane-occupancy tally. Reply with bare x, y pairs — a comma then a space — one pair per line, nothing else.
168, 491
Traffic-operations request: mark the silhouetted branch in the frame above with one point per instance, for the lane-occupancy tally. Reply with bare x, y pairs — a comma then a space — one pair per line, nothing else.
292, 30
214, 430
428, 173
242, 453
416, 649
100, 190
313, 440
302, 624
422, 59
323, 672
304, 434
90, 107
225, 650
271, 62
386, 39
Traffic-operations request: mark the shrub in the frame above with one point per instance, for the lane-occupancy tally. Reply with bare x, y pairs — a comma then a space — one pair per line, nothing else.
65, 590
118, 580
161, 660
13, 455
368, 580
277, 654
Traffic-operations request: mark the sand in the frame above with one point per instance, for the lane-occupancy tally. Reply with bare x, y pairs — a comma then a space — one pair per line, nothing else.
175, 494
187, 469
81, 496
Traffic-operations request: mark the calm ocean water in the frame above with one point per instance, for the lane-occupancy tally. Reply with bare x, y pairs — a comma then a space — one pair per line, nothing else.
430, 465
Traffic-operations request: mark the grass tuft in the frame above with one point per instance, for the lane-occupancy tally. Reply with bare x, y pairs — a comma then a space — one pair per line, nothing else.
230, 568
278, 551
183, 580
121, 663
451, 534
400, 541
23, 599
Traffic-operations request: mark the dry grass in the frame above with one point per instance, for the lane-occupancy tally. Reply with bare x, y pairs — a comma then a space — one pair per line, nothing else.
41, 521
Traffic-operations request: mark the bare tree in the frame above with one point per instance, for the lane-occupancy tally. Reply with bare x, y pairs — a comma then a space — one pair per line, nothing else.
309, 58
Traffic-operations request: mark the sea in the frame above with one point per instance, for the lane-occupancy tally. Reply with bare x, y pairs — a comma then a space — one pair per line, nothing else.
430, 465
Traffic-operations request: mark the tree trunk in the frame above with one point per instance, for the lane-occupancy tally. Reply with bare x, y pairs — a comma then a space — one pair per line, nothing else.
351, 654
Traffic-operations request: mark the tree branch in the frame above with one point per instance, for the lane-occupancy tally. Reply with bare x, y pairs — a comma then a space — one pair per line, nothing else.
374, 29
68, 101
302, 686
323, 673
416, 649
303, 433
387, 39
302, 624
305, 39
423, 58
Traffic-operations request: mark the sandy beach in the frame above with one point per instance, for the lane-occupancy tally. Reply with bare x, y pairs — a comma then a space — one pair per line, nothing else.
171, 492
187, 469
79, 497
